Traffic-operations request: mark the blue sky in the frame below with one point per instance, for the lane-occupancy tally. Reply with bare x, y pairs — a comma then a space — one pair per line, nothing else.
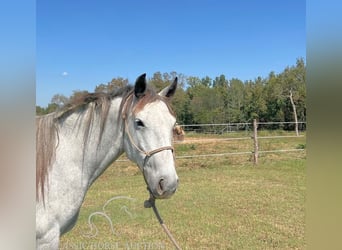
81, 44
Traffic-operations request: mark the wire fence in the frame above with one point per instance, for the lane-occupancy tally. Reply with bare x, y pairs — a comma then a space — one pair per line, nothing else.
257, 137
245, 132
239, 153
227, 128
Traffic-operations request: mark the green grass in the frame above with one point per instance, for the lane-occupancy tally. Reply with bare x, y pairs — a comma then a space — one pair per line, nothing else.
221, 203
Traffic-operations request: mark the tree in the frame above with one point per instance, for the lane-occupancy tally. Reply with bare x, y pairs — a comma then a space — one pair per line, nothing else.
77, 94
181, 104
57, 101
52, 107
206, 81
294, 112
40, 110
254, 100
292, 80
221, 91
275, 100
157, 81
220, 81
235, 100
193, 81
60, 100
115, 83
205, 104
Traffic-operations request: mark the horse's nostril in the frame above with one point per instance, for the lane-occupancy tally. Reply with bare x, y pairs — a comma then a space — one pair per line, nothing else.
161, 186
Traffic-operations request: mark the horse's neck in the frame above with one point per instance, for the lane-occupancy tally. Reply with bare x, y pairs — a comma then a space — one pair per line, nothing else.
98, 153
111, 145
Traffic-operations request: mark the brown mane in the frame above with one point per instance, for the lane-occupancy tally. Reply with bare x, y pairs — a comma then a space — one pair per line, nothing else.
89, 103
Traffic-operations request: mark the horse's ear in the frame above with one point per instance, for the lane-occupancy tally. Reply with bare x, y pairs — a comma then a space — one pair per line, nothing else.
170, 90
140, 86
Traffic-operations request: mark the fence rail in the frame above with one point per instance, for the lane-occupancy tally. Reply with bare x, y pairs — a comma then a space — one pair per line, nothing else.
230, 153
251, 133
239, 153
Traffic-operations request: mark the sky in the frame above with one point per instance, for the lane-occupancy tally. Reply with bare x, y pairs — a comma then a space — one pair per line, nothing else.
81, 44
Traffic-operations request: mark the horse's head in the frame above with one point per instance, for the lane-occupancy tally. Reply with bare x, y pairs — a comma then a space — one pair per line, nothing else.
149, 124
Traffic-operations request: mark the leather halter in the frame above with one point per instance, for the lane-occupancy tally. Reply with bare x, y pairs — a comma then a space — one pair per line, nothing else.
147, 154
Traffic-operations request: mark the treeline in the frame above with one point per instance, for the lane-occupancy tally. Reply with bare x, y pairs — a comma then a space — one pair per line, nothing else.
221, 100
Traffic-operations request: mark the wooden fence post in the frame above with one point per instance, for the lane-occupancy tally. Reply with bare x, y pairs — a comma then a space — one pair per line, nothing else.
255, 138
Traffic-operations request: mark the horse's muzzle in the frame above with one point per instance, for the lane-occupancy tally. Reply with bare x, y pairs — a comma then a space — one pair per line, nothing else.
165, 188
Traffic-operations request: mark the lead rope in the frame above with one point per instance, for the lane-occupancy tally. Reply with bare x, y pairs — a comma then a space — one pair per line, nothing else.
151, 202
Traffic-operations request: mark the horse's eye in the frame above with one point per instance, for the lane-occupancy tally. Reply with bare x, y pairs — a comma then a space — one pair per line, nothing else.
139, 123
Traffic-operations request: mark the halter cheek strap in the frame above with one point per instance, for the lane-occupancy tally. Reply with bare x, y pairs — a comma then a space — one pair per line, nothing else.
147, 154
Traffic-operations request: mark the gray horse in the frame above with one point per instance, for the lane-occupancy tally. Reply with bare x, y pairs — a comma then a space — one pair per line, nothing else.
76, 144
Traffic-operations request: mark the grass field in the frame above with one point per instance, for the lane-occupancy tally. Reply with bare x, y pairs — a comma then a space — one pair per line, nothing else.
221, 203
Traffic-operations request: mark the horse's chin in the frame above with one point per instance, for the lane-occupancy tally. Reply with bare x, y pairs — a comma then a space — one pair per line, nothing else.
164, 195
